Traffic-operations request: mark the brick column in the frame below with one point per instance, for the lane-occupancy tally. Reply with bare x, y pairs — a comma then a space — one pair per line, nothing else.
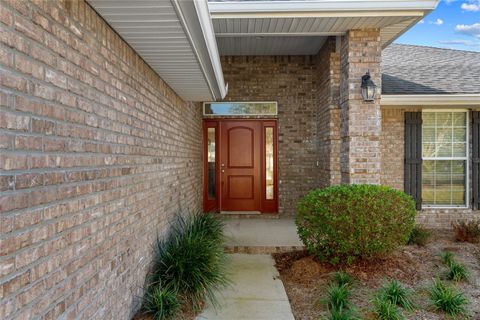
360, 120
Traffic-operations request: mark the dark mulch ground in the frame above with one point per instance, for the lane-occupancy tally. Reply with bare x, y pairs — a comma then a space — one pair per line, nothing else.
306, 279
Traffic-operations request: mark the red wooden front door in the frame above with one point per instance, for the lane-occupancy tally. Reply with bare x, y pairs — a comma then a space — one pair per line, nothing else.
240, 165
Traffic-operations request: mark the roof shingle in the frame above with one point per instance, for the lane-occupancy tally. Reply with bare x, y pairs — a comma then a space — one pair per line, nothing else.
408, 69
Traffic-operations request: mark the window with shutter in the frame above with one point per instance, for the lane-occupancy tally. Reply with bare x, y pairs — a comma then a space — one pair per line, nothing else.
413, 156
476, 159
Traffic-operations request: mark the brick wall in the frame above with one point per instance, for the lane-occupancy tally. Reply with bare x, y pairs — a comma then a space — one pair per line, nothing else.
361, 121
392, 154
97, 154
291, 81
328, 95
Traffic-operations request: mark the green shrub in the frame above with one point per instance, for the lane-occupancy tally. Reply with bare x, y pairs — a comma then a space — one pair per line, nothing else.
191, 259
347, 222
342, 278
386, 310
448, 299
419, 236
162, 303
397, 294
467, 231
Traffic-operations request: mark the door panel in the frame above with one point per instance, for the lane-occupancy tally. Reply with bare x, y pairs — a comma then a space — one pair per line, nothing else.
241, 146
240, 158
241, 187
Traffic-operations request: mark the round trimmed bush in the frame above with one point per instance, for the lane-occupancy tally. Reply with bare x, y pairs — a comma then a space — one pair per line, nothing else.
340, 224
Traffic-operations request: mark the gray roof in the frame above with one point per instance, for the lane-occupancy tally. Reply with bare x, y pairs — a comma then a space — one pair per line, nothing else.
408, 69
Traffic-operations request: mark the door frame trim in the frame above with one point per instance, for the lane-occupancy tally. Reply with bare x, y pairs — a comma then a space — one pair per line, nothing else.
215, 205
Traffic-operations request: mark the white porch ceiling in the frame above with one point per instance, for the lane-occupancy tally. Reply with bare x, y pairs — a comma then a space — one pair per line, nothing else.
300, 27
169, 36
283, 45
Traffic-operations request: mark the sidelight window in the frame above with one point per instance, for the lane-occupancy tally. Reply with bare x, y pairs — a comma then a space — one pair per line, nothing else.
269, 158
211, 183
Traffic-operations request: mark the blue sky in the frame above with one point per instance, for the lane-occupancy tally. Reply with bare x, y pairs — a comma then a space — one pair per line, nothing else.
453, 24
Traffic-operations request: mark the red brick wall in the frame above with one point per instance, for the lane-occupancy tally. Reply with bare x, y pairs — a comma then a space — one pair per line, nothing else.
97, 154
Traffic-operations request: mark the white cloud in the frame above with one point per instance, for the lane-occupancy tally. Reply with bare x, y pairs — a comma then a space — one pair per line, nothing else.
457, 42
471, 7
421, 21
469, 29
438, 22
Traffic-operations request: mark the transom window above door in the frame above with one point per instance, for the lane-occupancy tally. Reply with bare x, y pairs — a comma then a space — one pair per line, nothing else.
445, 158
240, 109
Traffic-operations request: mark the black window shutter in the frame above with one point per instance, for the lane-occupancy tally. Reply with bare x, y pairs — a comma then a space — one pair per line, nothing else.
476, 159
413, 156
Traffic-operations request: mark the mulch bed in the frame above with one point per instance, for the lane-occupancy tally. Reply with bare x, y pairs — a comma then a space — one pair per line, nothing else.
305, 279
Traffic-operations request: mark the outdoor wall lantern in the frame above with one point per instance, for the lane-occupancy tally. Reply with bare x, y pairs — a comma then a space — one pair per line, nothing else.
369, 89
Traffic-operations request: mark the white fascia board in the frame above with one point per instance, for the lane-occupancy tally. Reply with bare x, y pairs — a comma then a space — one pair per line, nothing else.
211, 42
239, 7
464, 100
195, 19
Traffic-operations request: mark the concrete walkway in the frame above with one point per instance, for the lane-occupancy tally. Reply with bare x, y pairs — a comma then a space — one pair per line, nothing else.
257, 293
261, 235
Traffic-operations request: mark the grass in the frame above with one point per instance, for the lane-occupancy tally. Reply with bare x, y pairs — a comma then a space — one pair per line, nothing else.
190, 261
342, 278
386, 310
447, 299
419, 236
397, 294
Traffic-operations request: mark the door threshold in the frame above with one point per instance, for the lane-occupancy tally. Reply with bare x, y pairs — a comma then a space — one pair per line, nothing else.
240, 212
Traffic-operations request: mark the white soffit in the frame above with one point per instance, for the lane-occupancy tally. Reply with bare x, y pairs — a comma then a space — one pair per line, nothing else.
233, 20
175, 37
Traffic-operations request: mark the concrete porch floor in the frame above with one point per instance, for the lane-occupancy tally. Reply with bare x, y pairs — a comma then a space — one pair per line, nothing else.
261, 235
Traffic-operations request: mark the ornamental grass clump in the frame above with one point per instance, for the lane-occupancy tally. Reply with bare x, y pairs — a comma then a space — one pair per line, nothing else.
338, 296
397, 294
455, 271
386, 310
190, 262
447, 299
161, 303
344, 223
342, 278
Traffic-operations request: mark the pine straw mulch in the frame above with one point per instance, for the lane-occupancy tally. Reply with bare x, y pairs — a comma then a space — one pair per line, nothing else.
306, 279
